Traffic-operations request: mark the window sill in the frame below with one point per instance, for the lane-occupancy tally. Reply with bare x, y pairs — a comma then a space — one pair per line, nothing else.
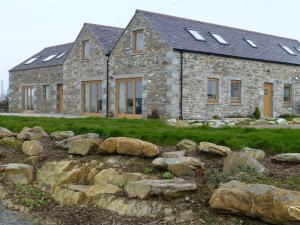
212, 103
129, 116
287, 105
91, 114
235, 103
84, 60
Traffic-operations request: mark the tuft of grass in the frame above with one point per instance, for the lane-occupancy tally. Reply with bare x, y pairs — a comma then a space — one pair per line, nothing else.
167, 175
149, 170
158, 132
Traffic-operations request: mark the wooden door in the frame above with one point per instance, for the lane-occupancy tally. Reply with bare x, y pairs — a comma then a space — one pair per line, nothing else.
28, 99
60, 98
268, 100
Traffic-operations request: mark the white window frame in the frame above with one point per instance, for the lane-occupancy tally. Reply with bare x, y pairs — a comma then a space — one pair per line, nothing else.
31, 60
251, 43
49, 58
219, 38
195, 34
288, 49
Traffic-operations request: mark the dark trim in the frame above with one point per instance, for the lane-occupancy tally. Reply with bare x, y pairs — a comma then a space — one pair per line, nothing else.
107, 84
181, 85
235, 57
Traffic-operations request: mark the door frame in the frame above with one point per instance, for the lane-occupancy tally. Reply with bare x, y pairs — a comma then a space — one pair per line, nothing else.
60, 100
266, 84
24, 108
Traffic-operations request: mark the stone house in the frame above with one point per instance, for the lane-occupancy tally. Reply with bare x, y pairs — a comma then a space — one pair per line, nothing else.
179, 67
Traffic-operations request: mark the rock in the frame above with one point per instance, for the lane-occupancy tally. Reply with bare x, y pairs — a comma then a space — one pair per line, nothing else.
199, 124
288, 157
6, 133
187, 145
32, 160
64, 143
3, 193
296, 120
271, 122
179, 166
217, 124
241, 162
17, 173
143, 189
94, 190
172, 121
84, 146
271, 204
258, 154
61, 135
32, 147
35, 133
281, 121
129, 146
174, 154
213, 148
261, 122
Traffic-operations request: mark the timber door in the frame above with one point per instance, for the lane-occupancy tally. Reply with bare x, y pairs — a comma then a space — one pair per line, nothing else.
28, 99
60, 98
268, 100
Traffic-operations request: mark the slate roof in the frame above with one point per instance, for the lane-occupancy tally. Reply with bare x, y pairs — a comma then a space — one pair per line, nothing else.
58, 49
173, 30
106, 35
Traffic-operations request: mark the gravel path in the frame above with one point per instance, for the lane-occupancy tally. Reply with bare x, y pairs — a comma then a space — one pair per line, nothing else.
8, 217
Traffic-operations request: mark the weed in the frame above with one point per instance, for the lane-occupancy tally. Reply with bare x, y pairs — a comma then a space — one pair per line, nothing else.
167, 175
149, 170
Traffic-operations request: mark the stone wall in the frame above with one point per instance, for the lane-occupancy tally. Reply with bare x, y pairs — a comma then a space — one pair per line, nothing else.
36, 78
252, 74
156, 64
77, 70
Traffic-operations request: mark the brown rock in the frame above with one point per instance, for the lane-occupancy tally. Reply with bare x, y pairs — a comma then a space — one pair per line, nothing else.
32, 160
6, 133
213, 148
61, 135
187, 145
64, 143
32, 148
35, 133
17, 173
83, 146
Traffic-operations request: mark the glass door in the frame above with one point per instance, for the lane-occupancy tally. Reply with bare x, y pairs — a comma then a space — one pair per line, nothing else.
28, 98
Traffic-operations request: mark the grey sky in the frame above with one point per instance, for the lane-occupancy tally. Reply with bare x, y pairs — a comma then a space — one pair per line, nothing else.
29, 26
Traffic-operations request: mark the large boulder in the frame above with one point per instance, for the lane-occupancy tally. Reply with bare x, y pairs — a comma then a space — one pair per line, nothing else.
258, 154
129, 146
83, 146
281, 121
288, 157
187, 145
64, 143
167, 188
61, 135
179, 166
241, 162
296, 120
17, 173
213, 148
32, 148
6, 133
35, 133
271, 204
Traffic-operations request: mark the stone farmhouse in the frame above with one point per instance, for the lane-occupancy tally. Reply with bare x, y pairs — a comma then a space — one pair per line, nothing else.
180, 67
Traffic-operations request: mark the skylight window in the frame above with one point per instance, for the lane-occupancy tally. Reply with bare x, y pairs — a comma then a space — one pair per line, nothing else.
49, 58
298, 49
288, 50
196, 34
31, 60
219, 38
60, 55
251, 43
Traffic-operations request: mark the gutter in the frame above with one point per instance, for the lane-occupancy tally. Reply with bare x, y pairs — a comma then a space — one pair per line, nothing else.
181, 86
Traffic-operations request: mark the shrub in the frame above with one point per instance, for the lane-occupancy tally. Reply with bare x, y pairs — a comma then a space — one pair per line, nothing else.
256, 113
216, 117
167, 175
154, 114
149, 170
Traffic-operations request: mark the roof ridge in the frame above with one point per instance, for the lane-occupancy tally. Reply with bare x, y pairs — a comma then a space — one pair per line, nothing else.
240, 29
100, 25
58, 45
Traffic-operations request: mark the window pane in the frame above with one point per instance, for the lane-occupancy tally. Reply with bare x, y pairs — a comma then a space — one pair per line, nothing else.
32, 98
99, 97
235, 90
212, 89
138, 98
121, 96
129, 97
86, 49
93, 97
287, 94
86, 97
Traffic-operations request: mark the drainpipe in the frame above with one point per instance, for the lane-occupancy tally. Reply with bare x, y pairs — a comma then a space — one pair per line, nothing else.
181, 85
107, 84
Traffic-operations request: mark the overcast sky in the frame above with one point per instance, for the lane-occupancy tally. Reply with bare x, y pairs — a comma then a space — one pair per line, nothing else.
29, 26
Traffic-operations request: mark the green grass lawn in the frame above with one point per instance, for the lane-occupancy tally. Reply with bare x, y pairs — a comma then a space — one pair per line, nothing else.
156, 131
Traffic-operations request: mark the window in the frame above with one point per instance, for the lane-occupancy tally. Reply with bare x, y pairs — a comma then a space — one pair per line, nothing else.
251, 43
219, 38
86, 49
46, 92
288, 50
196, 34
92, 96
287, 94
298, 49
49, 58
235, 91
31, 60
60, 55
212, 90
138, 40
129, 96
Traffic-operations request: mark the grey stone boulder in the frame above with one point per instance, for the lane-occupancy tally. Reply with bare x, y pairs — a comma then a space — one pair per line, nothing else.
83, 146
288, 157
174, 154
270, 204
187, 145
258, 154
32, 148
241, 162
296, 120
6, 133
17, 173
61, 135
179, 166
144, 189
214, 149
64, 143
34, 133
281, 121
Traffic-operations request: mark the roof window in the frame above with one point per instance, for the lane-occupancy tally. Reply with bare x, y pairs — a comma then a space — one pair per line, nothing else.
288, 50
251, 43
60, 55
219, 38
196, 35
49, 58
31, 60
298, 49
